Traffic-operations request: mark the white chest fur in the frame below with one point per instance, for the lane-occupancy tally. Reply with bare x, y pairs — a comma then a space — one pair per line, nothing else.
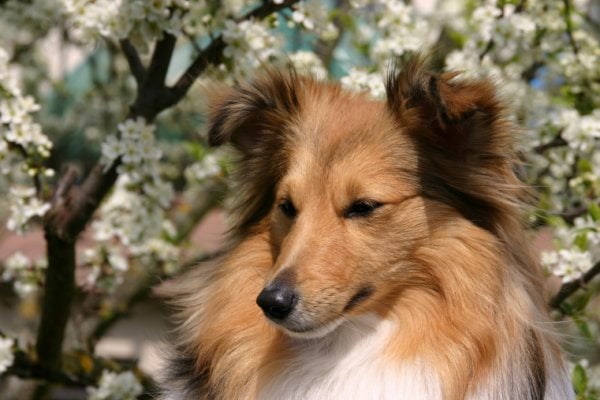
350, 364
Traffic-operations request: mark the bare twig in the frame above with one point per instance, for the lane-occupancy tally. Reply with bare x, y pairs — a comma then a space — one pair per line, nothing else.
569, 26
570, 215
325, 49
65, 184
557, 141
569, 288
159, 63
133, 59
213, 53
490, 44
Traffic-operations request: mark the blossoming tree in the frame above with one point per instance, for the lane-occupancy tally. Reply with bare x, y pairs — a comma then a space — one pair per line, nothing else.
137, 193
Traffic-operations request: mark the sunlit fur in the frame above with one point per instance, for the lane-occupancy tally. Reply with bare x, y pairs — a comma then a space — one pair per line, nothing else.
436, 294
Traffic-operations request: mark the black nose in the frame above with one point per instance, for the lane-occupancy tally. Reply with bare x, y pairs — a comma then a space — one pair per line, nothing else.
277, 301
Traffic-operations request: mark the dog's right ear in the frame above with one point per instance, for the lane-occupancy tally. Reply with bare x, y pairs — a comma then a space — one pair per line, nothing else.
253, 114
254, 118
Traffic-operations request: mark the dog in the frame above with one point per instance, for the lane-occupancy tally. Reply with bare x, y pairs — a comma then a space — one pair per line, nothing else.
378, 250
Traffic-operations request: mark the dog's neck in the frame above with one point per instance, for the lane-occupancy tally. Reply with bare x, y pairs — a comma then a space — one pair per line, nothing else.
351, 363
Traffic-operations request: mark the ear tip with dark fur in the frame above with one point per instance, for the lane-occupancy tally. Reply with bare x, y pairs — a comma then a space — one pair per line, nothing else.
215, 137
405, 80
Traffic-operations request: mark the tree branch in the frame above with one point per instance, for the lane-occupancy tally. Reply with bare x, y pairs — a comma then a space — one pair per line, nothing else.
133, 59
82, 369
71, 212
72, 208
558, 141
159, 63
325, 49
213, 53
569, 288
60, 288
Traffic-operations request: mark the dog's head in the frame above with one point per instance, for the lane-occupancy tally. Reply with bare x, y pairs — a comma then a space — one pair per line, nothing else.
349, 188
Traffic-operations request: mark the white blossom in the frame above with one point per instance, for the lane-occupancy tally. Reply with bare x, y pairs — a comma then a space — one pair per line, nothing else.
23, 148
306, 62
363, 81
569, 265
26, 275
7, 356
313, 15
249, 43
139, 20
116, 386
24, 206
207, 168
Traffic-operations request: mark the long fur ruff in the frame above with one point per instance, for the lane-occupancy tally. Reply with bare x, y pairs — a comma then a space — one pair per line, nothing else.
400, 226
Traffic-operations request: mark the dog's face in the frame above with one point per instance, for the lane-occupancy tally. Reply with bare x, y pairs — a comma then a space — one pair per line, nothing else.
348, 188
345, 217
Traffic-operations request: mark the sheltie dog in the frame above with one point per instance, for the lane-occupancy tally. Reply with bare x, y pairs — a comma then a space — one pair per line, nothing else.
378, 251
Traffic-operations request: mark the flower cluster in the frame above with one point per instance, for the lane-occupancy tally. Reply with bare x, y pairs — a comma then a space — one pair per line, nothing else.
139, 20
139, 157
116, 386
27, 276
134, 214
7, 356
24, 206
313, 15
107, 266
362, 81
569, 265
23, 148
205, 169
306, 62
249, 44
21, 21
400, 29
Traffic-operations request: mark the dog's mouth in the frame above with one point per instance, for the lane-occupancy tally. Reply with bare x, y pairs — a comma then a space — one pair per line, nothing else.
314, 332
302, 325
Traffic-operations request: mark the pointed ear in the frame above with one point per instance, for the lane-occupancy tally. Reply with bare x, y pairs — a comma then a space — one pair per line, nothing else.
451, 114
253, 113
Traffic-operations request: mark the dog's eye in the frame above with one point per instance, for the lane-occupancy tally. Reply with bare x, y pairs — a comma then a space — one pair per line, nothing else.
287, 207
361, 208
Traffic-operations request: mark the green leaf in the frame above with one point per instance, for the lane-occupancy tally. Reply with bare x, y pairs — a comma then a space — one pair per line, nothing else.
594, 210
583, 327
584, 165
555, 221
580, 379
566, 308
581, 241
580, 302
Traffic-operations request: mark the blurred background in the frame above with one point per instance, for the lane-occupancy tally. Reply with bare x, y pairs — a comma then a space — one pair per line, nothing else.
109, 188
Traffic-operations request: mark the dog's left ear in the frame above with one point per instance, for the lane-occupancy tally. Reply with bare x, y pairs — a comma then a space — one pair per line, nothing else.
444, 112
464, 140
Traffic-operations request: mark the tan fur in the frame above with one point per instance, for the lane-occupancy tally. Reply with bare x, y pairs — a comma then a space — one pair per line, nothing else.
446, 255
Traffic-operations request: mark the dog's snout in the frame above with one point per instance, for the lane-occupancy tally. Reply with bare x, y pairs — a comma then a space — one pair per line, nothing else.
277, 301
